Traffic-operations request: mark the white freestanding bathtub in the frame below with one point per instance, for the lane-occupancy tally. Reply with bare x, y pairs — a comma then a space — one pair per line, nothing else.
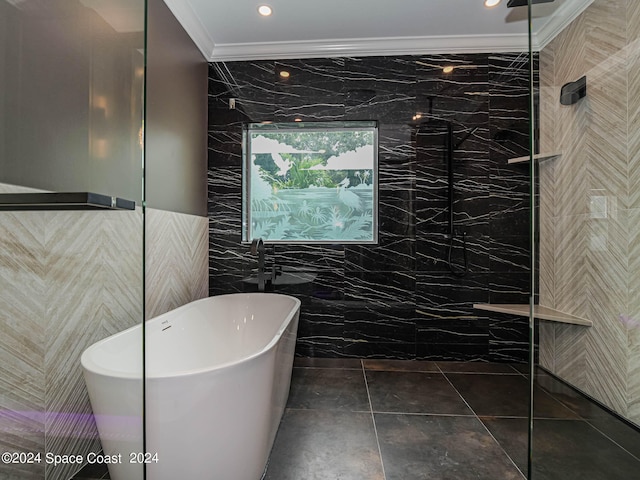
217, 379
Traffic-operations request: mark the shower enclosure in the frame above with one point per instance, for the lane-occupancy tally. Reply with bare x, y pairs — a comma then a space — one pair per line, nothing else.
71, 220
92, 240
586, 226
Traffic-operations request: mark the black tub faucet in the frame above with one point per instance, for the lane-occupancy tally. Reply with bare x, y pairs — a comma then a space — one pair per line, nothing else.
257, 248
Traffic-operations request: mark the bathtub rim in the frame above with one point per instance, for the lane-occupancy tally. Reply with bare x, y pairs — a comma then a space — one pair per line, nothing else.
90, 366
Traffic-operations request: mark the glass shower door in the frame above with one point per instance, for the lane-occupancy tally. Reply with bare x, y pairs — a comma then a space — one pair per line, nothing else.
71, 223
586, 224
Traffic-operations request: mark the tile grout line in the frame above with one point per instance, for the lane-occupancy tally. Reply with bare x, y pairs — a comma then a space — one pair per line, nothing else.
609, 438
501, 374
585, 420
485, 427
373, 419
580, 417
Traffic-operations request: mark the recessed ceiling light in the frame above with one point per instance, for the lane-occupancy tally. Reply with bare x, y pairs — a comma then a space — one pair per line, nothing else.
285, 74
447, 69
265, 10
491, 3
297, 119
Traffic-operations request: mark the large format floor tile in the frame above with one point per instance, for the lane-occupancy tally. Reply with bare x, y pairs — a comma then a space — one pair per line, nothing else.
476, 367
564, 449
440, 448
407, 421
401, 365
323, 388
574, 450
350, 363
325, 445
93, 472
616, 429
513, 435
414, 392
506, 395
621, 433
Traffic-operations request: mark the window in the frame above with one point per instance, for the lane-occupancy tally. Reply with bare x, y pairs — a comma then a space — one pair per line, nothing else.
310, 182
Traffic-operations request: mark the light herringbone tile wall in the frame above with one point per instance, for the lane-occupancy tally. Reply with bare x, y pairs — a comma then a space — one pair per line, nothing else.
177, 260
633, 325
22, 345
69, 279
589, 204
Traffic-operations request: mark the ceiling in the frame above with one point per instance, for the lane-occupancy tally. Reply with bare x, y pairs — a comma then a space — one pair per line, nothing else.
233, 30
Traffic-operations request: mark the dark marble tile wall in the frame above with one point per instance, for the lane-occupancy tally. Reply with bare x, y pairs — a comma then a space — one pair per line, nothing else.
397, 299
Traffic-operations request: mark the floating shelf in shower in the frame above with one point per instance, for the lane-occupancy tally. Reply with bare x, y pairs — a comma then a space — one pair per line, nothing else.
539, 312
539, 157
63, 201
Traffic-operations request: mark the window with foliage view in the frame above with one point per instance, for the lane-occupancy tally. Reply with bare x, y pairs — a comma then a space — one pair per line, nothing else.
310, 182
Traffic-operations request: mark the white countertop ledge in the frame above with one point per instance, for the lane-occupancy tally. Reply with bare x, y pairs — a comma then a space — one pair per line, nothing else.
540, 312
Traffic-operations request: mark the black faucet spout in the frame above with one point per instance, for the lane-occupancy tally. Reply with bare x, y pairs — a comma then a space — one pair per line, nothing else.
257, 248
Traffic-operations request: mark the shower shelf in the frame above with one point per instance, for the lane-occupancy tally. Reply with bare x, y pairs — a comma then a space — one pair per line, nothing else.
540, 157
539, 312
63, 201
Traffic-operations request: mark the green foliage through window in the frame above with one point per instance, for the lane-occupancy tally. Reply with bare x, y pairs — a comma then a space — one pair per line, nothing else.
311, 182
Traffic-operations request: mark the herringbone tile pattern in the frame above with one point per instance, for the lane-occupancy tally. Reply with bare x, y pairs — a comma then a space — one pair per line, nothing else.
589, 203
69, 279
632, 321
547, 345
570, 358
177, 262
633, 318
22, 349
548, 111
74, 280
633, 77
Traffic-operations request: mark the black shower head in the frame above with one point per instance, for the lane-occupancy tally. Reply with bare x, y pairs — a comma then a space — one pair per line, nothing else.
522, 3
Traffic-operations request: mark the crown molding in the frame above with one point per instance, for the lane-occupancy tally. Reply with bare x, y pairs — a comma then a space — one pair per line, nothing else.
186, 16
370, 46
360, 47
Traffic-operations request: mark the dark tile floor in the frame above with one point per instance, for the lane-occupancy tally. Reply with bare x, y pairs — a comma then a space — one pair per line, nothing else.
92, 472
353, 419
403, 420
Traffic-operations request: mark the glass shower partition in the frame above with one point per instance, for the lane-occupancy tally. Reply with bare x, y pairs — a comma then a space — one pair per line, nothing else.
586, 224
71, 220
